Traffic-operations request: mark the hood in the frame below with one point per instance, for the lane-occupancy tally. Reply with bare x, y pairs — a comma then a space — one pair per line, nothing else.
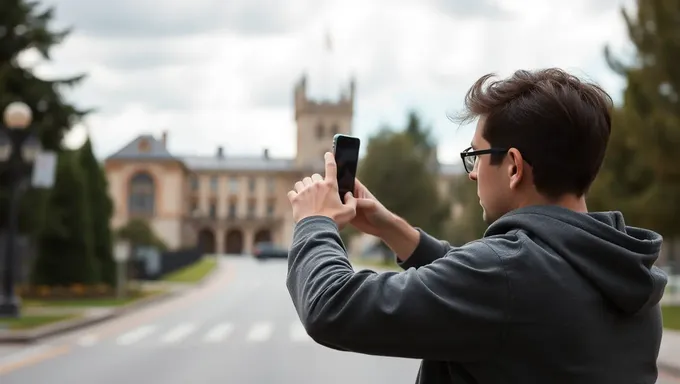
615, 258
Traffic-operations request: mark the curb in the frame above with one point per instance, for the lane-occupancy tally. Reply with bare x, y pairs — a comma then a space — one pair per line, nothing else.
33, 335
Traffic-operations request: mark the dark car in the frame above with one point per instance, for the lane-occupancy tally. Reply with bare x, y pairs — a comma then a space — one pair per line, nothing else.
269, 251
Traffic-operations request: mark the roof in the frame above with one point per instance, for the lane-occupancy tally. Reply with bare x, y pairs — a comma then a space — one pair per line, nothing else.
147, 147
144, 147
237, 163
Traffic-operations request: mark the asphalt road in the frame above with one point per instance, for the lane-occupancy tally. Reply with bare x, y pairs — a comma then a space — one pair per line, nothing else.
240, 327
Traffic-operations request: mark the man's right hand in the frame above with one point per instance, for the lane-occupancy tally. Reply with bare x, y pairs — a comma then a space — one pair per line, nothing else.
374, 219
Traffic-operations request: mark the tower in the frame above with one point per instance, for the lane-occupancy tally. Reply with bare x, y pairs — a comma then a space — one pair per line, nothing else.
318, 121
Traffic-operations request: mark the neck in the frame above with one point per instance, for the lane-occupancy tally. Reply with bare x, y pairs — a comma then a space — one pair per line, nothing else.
574, 203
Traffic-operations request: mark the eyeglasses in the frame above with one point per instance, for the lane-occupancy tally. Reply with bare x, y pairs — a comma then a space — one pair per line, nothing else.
469, 156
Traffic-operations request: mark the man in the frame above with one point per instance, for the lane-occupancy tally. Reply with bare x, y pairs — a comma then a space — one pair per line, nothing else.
550, 294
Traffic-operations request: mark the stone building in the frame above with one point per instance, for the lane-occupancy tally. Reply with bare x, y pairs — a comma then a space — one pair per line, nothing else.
226, 203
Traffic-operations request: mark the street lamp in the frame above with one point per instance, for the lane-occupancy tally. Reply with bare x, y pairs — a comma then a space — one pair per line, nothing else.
19, 148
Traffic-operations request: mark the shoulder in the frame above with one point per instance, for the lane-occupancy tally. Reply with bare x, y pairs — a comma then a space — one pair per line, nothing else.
494, 247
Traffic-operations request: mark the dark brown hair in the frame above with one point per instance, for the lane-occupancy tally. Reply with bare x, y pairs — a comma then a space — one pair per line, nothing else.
560, 125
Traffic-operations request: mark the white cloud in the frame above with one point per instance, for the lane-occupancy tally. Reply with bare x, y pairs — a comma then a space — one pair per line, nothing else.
225, 87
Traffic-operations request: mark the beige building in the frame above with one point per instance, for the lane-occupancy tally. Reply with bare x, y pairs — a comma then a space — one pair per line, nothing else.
223, 202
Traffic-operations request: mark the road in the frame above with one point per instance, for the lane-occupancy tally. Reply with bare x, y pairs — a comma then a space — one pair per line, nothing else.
240, 327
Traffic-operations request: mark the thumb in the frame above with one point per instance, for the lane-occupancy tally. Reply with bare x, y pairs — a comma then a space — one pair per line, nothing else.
365, 204
350, 201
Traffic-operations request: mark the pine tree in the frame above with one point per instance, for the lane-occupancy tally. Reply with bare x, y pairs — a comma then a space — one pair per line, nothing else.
65, 253
641, 169
100, 211
25, 25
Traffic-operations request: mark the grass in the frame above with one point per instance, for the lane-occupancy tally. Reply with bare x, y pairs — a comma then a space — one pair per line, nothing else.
193, 273
29, 321
90, 302
671, 317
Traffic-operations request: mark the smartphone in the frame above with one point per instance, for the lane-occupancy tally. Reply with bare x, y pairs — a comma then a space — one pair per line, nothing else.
346, 152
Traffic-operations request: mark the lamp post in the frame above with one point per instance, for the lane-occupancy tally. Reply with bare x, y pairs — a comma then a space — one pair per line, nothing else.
19, 148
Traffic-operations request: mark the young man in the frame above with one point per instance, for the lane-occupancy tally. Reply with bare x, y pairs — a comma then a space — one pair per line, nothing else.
550, 294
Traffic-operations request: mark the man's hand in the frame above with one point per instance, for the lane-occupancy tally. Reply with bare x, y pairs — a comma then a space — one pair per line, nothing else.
374, 219
318, 196
371, 217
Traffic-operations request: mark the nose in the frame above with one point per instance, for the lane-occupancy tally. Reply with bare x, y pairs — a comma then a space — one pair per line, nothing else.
473, 175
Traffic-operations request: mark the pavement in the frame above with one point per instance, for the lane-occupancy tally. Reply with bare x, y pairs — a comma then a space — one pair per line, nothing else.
238, 327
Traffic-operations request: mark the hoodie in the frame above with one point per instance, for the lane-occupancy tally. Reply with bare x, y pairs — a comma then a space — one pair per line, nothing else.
548, 295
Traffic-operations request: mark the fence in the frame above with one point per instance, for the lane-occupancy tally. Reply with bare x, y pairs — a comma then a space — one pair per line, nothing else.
149, 264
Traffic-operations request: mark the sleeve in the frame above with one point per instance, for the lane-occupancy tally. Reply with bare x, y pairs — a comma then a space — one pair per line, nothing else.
453, 309
428, 250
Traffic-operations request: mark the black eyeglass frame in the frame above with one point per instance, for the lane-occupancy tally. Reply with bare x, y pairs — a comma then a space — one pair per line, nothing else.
468, 153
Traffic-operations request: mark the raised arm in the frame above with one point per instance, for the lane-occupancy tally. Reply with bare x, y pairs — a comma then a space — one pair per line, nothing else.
452, 309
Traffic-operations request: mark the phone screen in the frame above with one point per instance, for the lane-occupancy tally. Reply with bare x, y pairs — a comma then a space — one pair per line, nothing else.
346, 150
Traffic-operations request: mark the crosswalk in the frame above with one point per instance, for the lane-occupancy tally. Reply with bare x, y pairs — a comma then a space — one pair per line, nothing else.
255, 333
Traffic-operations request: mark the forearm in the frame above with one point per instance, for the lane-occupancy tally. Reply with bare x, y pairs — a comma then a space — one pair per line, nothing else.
401, 237
413, 247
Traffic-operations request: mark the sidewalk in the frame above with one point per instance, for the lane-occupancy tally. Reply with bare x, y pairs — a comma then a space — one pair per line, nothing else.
669, 354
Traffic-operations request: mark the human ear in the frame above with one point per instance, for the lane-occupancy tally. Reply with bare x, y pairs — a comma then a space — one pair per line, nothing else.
515, 168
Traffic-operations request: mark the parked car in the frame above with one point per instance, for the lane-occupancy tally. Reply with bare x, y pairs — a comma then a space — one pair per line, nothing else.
267, 250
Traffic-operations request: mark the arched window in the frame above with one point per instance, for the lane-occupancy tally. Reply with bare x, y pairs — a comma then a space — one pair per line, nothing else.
141, 195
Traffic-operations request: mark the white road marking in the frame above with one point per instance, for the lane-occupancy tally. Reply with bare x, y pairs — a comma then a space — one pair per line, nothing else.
136, 335
179, 333
219, 333
260, 332
88, 340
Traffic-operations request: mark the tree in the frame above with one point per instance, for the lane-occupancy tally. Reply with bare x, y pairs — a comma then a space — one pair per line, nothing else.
640, 171
100, 210
395, 172
25, 25
140, 234
468, 225
65, 254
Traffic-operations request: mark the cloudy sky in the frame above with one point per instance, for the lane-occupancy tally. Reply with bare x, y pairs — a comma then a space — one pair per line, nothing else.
216, 72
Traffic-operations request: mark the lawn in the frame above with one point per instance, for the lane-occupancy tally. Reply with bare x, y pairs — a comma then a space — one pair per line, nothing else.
91, 302
671, 317
193, 273
30, 321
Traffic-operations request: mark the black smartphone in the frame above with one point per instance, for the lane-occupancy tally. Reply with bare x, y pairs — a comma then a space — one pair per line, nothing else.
346, 152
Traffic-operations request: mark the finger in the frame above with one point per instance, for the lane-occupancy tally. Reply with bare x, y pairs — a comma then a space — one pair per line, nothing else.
331, 167
291, 195
350, 201
299, 186
316, 177
307, 181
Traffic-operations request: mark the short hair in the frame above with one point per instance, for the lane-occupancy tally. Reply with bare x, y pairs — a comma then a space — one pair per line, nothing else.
560, 125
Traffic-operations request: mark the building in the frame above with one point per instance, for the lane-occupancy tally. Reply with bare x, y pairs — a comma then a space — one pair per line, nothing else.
226, 203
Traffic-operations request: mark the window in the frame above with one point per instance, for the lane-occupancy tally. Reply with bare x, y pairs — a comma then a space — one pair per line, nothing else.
144, 146
319, 131
233, 185
214, 182
193, 182
193, 207
251, 184
251, 209
141, 195
271, 185
271, 208
232, 209
213, 210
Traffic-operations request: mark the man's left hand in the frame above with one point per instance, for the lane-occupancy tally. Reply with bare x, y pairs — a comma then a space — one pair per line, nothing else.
319, 196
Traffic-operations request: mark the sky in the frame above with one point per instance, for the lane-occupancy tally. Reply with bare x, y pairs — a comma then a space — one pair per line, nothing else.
221, 73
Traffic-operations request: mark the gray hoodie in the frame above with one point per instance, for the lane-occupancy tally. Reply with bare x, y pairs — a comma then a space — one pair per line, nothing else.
548, 295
